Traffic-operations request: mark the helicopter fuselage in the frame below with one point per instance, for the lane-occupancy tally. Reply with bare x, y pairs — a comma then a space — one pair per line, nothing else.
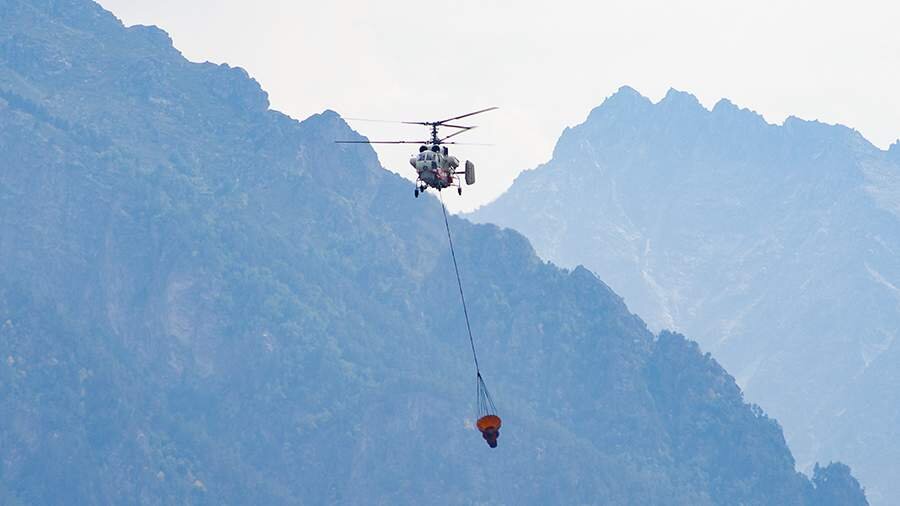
435, 166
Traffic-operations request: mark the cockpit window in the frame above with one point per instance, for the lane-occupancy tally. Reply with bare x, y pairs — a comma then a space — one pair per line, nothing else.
429, 156
421, 157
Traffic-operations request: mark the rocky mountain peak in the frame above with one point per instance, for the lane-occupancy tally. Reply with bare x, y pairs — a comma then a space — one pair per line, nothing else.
625, 101
894, 151
681, 100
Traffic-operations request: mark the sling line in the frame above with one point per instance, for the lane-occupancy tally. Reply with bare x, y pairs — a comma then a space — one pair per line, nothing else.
484, 400
459, 283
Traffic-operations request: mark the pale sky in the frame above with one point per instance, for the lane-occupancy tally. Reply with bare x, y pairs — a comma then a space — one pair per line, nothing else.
545, 64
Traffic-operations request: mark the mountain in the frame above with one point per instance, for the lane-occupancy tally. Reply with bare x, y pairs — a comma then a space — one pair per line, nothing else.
204, 301
775, 246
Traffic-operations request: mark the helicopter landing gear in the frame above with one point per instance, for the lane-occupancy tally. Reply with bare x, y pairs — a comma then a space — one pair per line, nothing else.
459, 190
417, 192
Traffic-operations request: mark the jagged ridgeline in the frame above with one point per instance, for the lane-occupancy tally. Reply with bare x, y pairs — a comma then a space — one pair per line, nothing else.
205, 301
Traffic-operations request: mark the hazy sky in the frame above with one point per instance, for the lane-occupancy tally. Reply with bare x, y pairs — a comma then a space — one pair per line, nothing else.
545, 64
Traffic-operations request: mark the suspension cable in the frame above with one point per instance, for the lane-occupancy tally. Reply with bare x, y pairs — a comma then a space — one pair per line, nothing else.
459, 283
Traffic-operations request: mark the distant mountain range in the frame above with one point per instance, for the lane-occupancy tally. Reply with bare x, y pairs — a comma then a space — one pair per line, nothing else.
203, 301
776, 246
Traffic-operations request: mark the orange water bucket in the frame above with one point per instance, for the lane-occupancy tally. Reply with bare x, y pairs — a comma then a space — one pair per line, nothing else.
489, 422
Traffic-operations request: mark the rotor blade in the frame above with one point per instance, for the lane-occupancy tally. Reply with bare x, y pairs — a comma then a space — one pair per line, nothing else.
426, 123
466, 115
380, 142
377, 120
456, 126
432, 123
456, 133
467, 143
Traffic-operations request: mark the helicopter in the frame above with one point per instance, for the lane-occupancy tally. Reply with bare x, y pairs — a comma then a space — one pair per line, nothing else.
435, 166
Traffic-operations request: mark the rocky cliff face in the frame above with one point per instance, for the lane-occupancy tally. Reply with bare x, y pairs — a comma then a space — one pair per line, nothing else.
774, 245
204, 301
